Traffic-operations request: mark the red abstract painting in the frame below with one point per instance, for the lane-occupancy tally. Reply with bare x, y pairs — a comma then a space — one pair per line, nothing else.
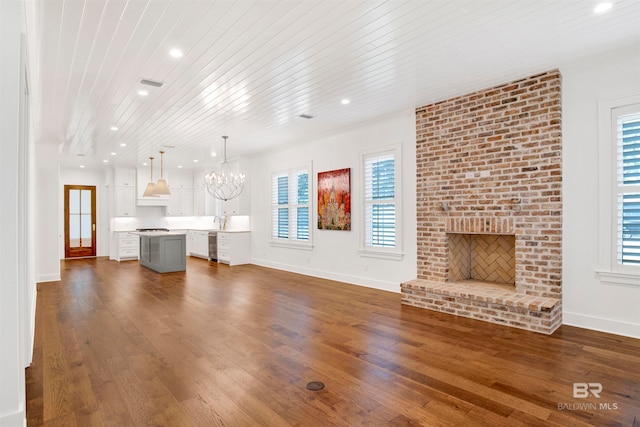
334, 200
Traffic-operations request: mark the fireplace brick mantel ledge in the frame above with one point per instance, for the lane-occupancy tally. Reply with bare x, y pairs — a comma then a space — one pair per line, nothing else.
485, 302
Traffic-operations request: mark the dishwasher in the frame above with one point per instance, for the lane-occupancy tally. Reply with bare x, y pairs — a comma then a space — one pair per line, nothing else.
213, 246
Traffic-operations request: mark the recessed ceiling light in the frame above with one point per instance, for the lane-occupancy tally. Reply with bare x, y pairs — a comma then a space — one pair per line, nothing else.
176, 53
82, 166
105, 161
345, 101
213, 154
602, 7
144, 164
113, 154
123, 145
180, 167
195, 161
143, 93
113, 128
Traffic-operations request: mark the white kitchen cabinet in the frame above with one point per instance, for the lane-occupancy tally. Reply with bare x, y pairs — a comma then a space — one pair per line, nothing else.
186, 201
125, 201
181, 187
234, 247
230, 207
127, 246
189, 242
198, 243
180, 202
204, 204
199, 202
125, 177
125, 192
173, 207
179, 178
198, 178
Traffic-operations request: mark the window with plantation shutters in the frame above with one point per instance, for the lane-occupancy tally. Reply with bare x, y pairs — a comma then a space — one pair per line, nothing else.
381, 207
619, 191
628, 188
291, 219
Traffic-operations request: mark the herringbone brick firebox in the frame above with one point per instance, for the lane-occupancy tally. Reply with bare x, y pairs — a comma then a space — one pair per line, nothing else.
489, 202
483, 257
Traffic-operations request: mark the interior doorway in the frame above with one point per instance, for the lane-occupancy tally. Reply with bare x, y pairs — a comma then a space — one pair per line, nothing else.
79, 221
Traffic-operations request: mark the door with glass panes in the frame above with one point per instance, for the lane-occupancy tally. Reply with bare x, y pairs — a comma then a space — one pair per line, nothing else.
79, 221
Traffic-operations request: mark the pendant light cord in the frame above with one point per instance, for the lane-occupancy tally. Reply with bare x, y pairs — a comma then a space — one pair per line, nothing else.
224, 149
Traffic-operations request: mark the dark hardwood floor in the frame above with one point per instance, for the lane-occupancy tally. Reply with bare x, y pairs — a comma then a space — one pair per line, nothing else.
119, 345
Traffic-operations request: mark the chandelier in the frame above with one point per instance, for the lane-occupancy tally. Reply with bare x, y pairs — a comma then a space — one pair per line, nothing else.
224, 184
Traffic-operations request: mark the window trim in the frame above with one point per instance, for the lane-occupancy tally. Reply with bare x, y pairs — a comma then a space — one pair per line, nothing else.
608, 270
289, 242
392, 253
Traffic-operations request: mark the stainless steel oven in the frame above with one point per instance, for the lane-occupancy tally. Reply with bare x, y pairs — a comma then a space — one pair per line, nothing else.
213, 245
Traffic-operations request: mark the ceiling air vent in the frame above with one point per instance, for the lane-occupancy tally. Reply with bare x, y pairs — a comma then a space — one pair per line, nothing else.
305, 116
151, 83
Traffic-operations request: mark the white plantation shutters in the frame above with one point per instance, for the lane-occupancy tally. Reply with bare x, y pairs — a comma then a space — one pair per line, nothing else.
300, 215
380, 209
291, 219
381, 201
280, 193
628, 188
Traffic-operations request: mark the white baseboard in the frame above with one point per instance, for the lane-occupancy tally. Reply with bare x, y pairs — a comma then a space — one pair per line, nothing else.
15, 419
603, 325
48, 278
347, 278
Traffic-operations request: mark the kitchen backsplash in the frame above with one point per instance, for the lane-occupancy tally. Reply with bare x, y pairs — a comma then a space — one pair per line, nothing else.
153, 217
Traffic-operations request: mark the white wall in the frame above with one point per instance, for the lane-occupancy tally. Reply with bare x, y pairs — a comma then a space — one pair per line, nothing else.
586, 301
48, 212
335, 253
13, 290
86, 177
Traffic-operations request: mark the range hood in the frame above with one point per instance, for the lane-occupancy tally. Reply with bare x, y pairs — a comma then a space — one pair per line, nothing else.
152, 201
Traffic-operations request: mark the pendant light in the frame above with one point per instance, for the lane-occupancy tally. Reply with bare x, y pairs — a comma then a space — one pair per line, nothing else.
149, 191
162, 189
223, 184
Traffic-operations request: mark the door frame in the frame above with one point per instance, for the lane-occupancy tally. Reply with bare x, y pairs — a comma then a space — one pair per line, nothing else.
67, 248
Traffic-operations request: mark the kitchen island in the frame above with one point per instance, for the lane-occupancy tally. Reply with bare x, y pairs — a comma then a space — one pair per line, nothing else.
163, 251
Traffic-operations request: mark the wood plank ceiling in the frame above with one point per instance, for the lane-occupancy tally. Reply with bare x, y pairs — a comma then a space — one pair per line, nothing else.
250, 68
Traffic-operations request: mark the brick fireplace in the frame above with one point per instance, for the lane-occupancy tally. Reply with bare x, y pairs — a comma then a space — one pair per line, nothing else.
489, 202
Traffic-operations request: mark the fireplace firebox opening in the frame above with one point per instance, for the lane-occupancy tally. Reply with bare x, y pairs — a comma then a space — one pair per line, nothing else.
485, 258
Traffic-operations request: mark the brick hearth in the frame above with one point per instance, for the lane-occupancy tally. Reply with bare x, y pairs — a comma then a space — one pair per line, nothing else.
491, 163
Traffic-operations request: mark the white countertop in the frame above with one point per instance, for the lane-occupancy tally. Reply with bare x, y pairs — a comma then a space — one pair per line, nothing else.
179, 231
159, 233
219, 230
